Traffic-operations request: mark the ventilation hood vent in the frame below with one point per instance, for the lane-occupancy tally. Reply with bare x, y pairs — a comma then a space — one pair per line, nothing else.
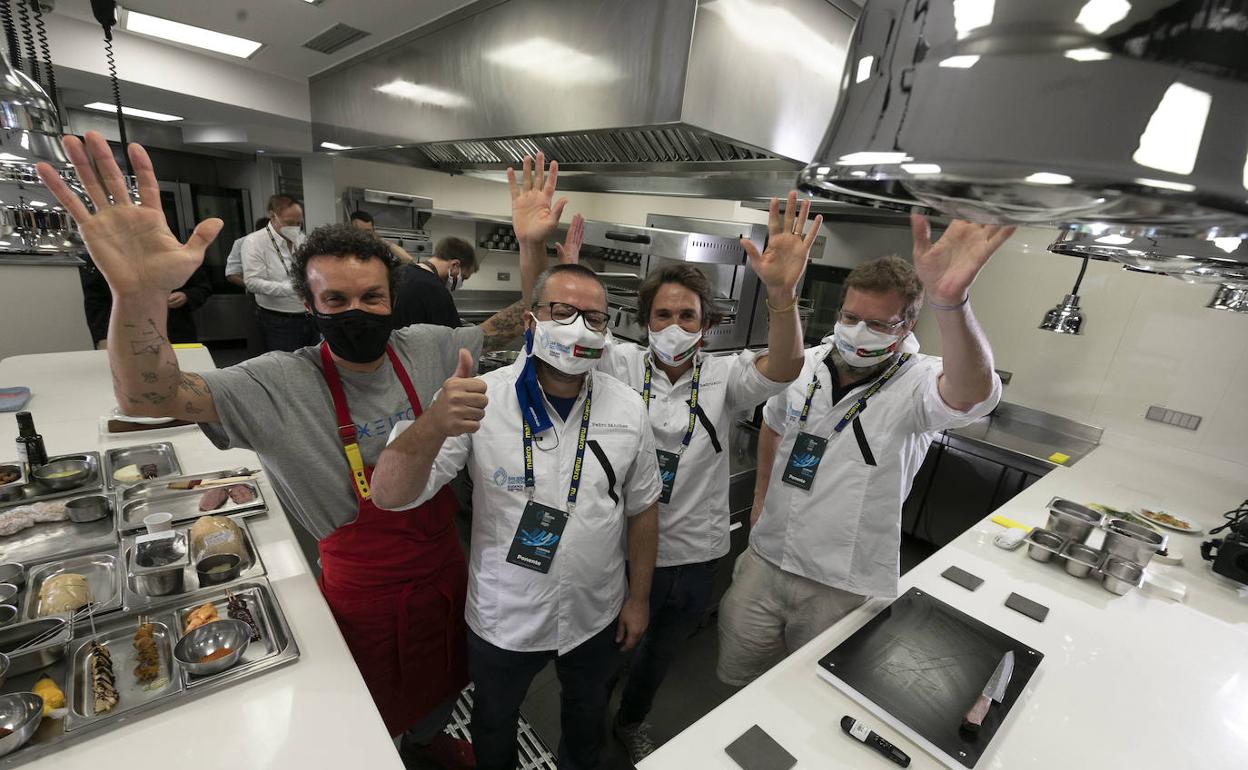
335, 38
1062, 112
617, 87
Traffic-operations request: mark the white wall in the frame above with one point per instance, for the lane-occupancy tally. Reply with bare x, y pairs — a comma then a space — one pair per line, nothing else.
41, 311
1147, 340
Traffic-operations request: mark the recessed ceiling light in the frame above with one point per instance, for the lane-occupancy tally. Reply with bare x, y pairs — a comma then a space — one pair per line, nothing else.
920, 168
133, 112
1114, 239
1167, 185
335, 146
963, 61
186, 34
1088, 54
1048, 177
872, 158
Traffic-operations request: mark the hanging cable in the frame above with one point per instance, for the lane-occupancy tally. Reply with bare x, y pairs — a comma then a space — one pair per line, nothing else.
10, 34
49, 84
1079, 280
28, 37
121, 118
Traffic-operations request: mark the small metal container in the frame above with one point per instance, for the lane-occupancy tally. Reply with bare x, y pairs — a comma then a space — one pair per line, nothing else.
53, 642
1072, 520
76, 473
1133, 542
85, 509
1043, 545
8, 469
1082, 559
158, 564
218, 569
13, 574
12, 493
8, 614
7, 593
1119, 576
4, 668
209, 638
20, 713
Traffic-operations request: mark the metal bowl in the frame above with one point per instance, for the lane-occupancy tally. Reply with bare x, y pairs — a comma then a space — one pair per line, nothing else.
9, 468
1081, 559
77, 472
1043, 545
13, 573
84, 509
218, 569
12, 493
1072, 520
1119, 576
209, 638
8, 613
20, 712
1133, 542
7, 592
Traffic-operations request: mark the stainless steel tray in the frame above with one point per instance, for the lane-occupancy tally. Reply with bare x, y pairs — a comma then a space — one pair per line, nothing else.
272, 648
133, 503
33, 492
50, 649
100, 571
60, 538
161, 454
117, 634
134, 600
54, 735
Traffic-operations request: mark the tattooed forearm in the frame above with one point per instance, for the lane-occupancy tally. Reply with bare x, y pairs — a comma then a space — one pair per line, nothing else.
146, 375
149, 377
194, 385
502, 328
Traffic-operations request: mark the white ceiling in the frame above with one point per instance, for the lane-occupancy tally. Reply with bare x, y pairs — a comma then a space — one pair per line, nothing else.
283, 26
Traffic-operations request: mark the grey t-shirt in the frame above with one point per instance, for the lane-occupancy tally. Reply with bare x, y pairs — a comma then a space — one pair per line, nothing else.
279, 406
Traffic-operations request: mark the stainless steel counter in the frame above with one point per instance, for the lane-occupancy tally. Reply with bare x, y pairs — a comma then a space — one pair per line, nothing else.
1030, 434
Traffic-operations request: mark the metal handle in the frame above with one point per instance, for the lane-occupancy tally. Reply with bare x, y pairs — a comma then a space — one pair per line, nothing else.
627, 237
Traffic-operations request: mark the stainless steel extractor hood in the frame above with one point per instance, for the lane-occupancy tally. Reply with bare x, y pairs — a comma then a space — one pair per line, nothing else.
1207, 261
1130, 113
718, 88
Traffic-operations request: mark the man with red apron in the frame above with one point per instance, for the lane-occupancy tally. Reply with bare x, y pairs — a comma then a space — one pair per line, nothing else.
396, 583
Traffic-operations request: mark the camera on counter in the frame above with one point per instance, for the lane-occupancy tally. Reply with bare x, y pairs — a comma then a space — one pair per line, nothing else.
1229, 554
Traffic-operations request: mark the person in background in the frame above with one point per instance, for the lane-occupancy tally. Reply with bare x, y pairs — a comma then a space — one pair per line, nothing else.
691, 399
424, 295
234, 262
97, 301
395, 584
362, 220
267, 256
565, 489
840, 447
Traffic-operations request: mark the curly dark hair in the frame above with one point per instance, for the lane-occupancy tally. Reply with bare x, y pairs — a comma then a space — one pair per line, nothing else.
341, 241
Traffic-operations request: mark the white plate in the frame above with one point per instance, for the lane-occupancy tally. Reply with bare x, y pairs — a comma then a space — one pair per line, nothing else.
117, 414
1192, 530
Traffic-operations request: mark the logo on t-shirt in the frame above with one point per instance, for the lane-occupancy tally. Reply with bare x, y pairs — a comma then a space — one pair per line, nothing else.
504, 479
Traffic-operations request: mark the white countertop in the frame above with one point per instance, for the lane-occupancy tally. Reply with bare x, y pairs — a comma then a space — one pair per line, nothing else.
313, 713
1136, 681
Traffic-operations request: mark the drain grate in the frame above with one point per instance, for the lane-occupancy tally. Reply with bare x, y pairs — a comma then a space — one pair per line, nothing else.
534, 755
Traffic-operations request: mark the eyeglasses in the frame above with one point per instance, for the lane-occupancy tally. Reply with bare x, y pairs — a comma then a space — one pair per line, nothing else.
883, 327
563, 313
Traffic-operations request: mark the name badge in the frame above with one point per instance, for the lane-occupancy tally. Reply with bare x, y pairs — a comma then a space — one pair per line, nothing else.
804, 460
537, 538
667, 473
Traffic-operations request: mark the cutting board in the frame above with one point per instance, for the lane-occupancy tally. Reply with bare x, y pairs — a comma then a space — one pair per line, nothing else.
920, 664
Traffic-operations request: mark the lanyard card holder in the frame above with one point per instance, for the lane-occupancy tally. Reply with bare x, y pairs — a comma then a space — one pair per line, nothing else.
538, 537
668, 462
804, 460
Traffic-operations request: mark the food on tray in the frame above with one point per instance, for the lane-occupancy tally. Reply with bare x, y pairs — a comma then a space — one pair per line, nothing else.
53, 696
216, 655
17, 519
65, 592
1161, 517
103, 681
148, 470
4, 731
1114, 513
9, 474
146, 653
213, 499
128, 474
125, 426
216, 535
236, 608
185, 483
62, 474
241, 493
201, 616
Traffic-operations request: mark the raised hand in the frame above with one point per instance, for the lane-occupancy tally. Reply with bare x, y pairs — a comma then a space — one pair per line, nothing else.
533, 215
782, 262
131, 245
460, 407
570, 250
949, 266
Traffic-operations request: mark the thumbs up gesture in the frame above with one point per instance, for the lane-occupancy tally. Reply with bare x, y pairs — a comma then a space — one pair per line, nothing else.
458, 409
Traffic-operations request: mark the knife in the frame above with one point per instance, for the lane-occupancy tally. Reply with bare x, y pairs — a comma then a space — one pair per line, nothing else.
994, 690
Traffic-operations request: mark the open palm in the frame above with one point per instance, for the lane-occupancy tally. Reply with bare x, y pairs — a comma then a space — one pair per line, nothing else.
131, 245
789, 238
949, 266
534, 213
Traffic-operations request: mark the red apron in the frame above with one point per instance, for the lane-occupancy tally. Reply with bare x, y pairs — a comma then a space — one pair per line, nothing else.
396, 582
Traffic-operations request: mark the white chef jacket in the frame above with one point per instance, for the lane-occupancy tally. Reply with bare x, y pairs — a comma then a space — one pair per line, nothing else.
693, 526
516, 608
845, 531
267, 270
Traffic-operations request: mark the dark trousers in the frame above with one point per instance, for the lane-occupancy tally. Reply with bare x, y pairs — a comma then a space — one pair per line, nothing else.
501, 679
678, 599
286, 332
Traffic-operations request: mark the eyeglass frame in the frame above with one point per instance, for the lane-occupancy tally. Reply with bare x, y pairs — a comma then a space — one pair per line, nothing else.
881, 327
578, 313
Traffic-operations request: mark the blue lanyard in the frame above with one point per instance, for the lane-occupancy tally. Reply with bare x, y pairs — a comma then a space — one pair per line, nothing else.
860, 404
530, 481
693, 400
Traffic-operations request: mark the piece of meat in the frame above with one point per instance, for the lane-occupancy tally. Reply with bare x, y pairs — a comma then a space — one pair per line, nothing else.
201, 616
241, 493
213, 499
148, 470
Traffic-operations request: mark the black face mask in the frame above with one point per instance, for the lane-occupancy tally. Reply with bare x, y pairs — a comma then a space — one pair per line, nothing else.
355, 335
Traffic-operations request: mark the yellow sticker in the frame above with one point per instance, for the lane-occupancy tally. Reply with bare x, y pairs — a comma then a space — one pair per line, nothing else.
1059, 458
186, 346
1006, 521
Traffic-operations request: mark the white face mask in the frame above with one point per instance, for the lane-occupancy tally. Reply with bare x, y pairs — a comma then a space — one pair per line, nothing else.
673, 345
291, 233
863, 347
571, 348
453, 281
